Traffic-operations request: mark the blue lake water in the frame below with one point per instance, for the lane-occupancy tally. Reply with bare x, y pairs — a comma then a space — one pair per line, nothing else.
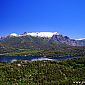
30, 58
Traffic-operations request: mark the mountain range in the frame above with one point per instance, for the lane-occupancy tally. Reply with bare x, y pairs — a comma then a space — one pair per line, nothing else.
41, 44
50, 36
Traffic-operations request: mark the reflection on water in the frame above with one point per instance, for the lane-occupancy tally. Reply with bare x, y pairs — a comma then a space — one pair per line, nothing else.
30, 58
40, 59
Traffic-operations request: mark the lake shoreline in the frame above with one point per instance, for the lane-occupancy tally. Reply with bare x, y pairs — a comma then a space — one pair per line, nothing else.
33, 58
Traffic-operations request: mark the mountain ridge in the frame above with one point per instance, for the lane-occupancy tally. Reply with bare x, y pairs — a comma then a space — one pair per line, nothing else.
36, 34
53, 37
57, 45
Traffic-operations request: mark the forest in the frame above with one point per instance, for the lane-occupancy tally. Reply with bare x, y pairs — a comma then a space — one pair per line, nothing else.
62, 72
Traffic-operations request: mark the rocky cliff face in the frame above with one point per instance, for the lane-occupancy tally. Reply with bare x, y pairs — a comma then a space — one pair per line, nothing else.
67, 40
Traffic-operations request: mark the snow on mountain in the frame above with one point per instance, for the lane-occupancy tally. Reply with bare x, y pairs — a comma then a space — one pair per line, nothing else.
39, 34
81, 39
14, 34
42, 34
36, 34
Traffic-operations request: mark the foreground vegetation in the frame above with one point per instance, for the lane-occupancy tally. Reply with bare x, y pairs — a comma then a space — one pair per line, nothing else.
64, 72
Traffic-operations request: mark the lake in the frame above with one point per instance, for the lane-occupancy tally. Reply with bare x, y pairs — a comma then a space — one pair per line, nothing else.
30, 58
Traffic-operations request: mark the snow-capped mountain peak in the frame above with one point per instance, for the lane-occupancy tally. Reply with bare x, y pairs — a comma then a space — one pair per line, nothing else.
42, 34
36, 34
14, 34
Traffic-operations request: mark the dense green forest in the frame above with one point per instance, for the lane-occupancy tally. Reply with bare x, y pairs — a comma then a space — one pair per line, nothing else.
64, 72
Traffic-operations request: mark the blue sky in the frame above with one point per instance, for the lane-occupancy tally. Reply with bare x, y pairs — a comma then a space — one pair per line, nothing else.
64, 16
